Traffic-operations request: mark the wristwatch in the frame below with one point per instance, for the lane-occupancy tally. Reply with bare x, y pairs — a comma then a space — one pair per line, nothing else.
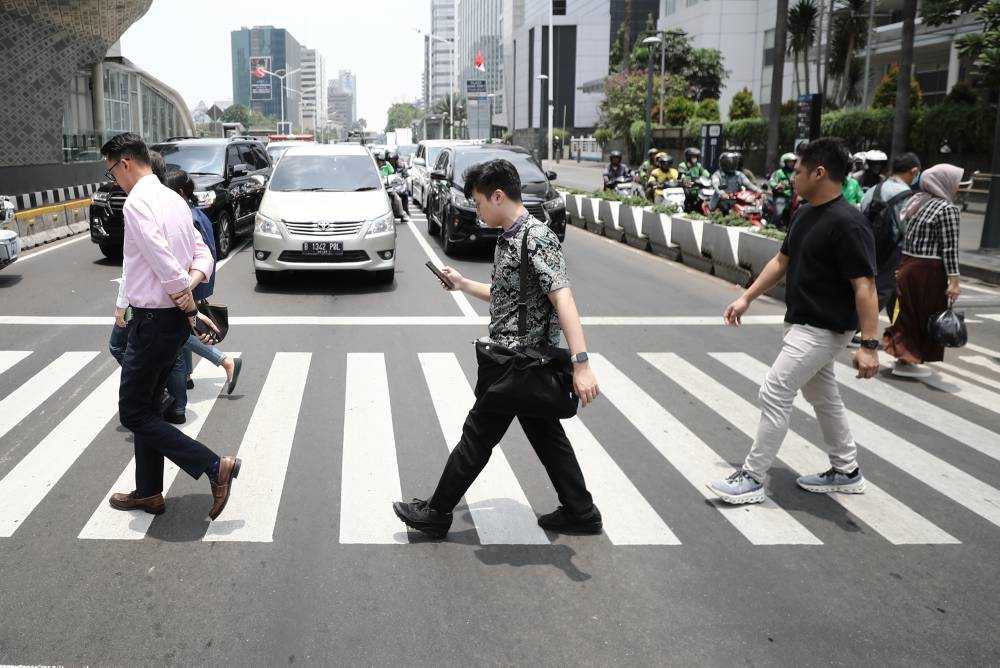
870, 344
579, 358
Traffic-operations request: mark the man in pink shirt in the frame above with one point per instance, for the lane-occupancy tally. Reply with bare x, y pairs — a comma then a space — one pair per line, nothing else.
164, 258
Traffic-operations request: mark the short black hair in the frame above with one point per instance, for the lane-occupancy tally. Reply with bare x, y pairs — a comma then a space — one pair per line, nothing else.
180, 181
126, 145
905, 162
488, 177
829, 153
158, 165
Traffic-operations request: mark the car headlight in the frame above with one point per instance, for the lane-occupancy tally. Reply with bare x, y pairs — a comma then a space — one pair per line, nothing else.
266, 226
553, 204
205, 198
100, 196
461, 201
382, 225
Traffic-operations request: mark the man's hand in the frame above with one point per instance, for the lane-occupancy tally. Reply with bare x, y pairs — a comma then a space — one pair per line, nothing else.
585, 383
866, 362
206, 337
953, 289
120, 318
734, 312
456, 278
184, 300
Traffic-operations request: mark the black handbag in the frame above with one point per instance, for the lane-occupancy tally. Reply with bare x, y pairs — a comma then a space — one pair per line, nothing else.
536, 381
219, 315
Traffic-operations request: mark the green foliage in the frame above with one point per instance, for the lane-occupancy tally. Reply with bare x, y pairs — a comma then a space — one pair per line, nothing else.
669, 209
771, 233
616, 60
678, 110
789, 107
965, 128
860, 129
637, 133
982, 48
708, 109
402, 115
634, 201
728, 219
507, 137
743, 106
236, 113
801, 35
747, 133
885, 93
603, 136
963, 93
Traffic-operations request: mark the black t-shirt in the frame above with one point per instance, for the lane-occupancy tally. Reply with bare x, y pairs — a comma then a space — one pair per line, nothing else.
827, 246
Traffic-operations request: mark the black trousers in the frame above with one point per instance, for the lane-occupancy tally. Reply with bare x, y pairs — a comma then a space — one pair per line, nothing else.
483, 430
155, 337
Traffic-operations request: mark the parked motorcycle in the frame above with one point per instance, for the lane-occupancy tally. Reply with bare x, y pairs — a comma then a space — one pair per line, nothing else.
697, 192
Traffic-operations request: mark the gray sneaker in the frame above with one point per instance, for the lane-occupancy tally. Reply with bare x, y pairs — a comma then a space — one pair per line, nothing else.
740, 487
833, 481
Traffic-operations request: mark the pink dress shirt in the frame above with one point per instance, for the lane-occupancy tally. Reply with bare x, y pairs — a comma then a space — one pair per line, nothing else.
161, 245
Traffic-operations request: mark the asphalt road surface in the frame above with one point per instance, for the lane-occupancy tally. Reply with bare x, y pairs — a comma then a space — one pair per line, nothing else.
352, 395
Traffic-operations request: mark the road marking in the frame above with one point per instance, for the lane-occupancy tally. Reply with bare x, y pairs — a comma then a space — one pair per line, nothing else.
223, 262
252, 510
886, 515
26, 485
762, 524
106, 523
385, 321
964, 431
20, 403
460, 299
9, 358
48, 249
370, 478
498, 505
983, 361
952, 482
984, 351
963, 389
628, 517
991, 316
977, 288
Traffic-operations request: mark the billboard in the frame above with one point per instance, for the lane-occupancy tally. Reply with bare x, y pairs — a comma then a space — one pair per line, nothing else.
260, 81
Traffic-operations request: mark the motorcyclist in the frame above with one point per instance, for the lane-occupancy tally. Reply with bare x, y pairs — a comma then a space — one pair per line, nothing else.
781, 187
662, 174
404, 196
384, 168
649, 165
729, 179
875, 162
691, 167
616, 169
852, 191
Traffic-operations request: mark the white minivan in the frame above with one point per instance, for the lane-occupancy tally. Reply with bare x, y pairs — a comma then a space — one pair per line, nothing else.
325, 209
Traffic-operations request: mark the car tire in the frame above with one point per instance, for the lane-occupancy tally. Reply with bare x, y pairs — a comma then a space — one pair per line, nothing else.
433, 229
385, 276
112, 252
224, 236
447, 245
267, 277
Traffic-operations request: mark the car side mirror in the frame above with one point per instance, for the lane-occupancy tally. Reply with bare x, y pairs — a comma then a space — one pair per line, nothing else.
550, 175
419, 161
241, 169
439, 175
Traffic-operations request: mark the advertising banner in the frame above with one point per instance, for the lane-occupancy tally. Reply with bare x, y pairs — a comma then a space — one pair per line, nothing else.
260, 80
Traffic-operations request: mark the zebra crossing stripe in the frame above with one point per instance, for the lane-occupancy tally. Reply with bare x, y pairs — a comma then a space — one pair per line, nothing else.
29, 482
966, 390
762, 524
950, 481
252, 510
896, 522
628, 517
20, 403
964, 431
370, 477
978, 360
498, 505
9, 358
109, 524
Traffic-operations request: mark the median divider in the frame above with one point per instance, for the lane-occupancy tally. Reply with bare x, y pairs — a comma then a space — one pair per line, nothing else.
51, 223
607, 211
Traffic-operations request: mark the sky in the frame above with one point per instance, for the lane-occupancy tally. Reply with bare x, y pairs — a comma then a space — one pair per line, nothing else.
186, 44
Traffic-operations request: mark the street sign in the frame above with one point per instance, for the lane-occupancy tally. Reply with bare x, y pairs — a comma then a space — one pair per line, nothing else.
712, 145
260, 80
808, 115
215, 112
475, 86
478, 109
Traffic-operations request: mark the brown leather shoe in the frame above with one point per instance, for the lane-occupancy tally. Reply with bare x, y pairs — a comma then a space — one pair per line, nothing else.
229, 468
153, 505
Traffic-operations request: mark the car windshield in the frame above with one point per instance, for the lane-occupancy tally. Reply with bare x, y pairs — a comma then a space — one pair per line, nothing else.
432, 155
527, 169
276, 152
194, 158
325, 173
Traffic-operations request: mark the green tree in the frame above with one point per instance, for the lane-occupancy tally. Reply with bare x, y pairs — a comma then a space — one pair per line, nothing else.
708, 109
616, 59
885, 93
625, 98
981, 48
743, 106
801, 35
237, 113
850, 34
401, 115
678, 110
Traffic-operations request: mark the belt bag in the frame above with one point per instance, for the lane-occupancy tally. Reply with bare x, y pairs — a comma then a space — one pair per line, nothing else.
219, 315
536, 381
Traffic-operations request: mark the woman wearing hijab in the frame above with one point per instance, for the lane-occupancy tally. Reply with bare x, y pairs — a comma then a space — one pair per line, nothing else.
927, 279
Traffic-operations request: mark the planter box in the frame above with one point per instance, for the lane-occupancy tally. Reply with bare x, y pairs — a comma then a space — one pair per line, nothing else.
755, 251
721, 243
631, 218
658, 228
608, 213
687, 234
573, 209
590, 215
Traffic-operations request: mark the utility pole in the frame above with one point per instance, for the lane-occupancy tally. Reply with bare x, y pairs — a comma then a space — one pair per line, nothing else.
552, 78
777, 81
868, 53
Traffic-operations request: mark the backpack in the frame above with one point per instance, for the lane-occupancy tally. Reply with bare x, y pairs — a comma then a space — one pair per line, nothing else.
886, 225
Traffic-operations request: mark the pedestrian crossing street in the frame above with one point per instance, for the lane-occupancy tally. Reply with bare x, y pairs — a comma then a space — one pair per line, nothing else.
500, 509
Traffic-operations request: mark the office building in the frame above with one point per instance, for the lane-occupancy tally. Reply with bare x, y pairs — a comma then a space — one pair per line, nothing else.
314, 98
276, 51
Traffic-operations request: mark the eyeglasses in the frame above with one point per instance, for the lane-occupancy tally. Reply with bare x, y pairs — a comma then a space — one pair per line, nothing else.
109, 174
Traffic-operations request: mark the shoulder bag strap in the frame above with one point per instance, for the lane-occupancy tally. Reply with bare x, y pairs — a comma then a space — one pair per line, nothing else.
522, 305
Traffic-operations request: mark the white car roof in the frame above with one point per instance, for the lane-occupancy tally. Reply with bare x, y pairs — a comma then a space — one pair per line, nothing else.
327, 149
290, 142
447, 142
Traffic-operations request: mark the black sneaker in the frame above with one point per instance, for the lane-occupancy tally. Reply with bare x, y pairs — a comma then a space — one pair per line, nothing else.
174, 418
562, 521
420, 516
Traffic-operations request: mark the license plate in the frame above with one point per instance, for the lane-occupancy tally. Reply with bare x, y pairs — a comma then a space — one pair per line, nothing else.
322, 247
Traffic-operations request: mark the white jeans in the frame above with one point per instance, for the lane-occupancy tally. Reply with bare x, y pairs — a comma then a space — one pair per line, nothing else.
805, 362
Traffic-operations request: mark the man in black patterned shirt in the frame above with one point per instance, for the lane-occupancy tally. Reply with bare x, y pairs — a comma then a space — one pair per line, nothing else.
496, 188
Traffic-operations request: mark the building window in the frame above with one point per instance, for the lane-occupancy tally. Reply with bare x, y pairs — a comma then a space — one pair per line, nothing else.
692, 3
117, 110
669, 7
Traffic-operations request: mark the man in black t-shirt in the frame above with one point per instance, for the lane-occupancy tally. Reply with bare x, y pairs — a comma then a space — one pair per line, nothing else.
828, 261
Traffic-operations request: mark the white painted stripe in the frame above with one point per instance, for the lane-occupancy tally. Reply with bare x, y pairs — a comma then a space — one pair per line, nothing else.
233, 253
962, 488
674, 320
983, 361
26, 485
628, 517
106, 523
964, 431
252, 510
991, 316
965, 390
762, 524
20, 403
460, 299
32, 254
892, 519
496, 501
977, 288
971, 375
9, 358
983, 351
370, 478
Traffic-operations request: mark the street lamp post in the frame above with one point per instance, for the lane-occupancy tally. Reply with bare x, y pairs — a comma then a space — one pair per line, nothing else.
541, 78
649, 42
491, 96
282, 77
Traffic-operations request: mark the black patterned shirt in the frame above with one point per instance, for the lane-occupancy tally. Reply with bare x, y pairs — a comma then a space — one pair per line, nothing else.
933, 233
547, 274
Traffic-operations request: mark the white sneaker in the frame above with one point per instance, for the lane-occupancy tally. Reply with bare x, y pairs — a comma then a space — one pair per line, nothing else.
904, 370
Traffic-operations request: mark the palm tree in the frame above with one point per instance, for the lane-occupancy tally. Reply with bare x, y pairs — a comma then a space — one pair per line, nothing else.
777, 79
801, 35
851, 34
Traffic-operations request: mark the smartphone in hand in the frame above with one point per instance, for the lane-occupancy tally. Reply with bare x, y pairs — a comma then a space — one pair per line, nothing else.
441, 277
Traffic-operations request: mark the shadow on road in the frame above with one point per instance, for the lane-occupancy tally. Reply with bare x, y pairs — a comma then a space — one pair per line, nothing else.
9, 280
559, 556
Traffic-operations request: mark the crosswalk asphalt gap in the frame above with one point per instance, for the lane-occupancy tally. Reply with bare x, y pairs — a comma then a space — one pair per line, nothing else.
667, 424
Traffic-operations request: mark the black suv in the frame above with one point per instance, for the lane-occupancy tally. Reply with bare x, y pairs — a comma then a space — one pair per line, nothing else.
453, 216
229, 176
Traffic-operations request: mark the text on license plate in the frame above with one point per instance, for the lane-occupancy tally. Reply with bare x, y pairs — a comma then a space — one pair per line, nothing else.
322, 247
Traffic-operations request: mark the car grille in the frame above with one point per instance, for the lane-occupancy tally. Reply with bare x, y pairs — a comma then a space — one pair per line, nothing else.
348, 256
312, 229
538, 211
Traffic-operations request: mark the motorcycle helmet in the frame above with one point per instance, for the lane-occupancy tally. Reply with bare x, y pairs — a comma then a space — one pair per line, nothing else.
691, 154
651, 154
665, 159
729, 162
392, 155
615, 154
786, 158
858, 160
875, 160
